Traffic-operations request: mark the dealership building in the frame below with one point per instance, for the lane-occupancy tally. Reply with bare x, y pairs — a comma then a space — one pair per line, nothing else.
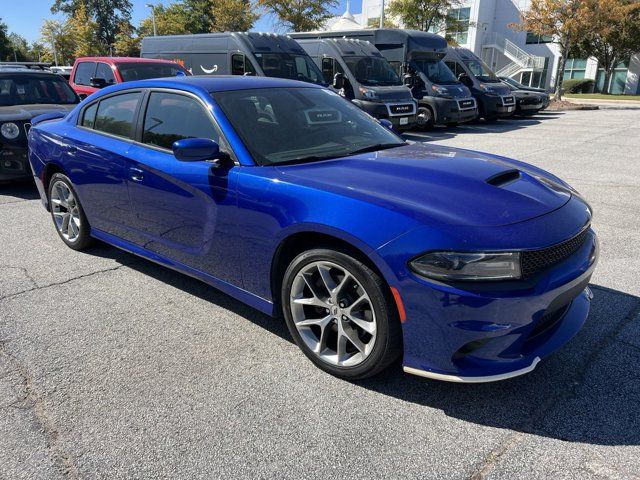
483, 27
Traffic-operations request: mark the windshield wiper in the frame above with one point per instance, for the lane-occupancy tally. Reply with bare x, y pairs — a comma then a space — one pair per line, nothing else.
376, 147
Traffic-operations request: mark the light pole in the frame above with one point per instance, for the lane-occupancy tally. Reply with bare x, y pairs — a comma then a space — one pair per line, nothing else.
153, 18
381, 13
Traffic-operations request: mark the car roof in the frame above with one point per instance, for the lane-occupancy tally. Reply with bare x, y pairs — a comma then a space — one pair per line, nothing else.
214, 83
112, 60
25, 71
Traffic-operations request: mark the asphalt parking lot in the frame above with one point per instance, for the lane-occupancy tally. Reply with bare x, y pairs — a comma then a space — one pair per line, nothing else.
113, 367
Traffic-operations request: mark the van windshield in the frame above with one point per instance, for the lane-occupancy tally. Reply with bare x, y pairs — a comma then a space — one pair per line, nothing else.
372, 71
480, 70
435, 70
291, 66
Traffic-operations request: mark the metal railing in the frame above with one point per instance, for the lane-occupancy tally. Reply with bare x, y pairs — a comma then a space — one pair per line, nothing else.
513, 52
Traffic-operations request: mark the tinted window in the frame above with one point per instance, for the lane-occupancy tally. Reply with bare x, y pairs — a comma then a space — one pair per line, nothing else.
372, 71
29, 88
293, 125
170, 117
84, 72
104, 71
285, 65
89, 115
116, 114
327, 70
143, 71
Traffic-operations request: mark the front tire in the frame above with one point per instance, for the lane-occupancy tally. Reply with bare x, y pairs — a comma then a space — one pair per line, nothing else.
339, 313
67, 213
425, 119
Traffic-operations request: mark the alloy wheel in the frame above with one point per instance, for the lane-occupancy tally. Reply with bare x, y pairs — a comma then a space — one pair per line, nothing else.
333, 314
65, 209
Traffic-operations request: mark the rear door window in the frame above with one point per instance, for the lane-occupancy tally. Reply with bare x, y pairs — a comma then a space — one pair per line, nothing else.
116, 115
170, 117
84, 73
89, 115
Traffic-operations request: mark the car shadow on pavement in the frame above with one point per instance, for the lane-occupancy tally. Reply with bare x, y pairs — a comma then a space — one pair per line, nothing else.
588, 392
21, 189
480, 127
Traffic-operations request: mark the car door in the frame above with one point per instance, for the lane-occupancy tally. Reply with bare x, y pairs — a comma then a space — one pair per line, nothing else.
81, 79
184, 210
97, 161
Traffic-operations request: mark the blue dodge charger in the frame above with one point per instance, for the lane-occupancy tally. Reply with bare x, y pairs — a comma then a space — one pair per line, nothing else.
469, 266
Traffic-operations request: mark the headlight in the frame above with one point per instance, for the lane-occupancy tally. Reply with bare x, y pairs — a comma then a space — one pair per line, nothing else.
10, 130
439, 91
368, 94
454, 266
486, 88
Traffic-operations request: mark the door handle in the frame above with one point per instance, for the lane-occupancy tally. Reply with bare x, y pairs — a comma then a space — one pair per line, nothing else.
136, 174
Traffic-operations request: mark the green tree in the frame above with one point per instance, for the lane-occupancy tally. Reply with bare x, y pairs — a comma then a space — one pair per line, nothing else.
200, 13
564, 20
170, 20
375, 22
107, 14
299, 15
233, 16
127, 43
5, 43
424, 14
58, 43
19, 47
613, 35
84, 33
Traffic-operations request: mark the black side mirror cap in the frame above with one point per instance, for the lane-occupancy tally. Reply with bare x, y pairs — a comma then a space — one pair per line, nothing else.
97, 82
338, 81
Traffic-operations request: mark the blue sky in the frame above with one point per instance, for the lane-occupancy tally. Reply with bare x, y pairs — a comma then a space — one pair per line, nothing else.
28, 24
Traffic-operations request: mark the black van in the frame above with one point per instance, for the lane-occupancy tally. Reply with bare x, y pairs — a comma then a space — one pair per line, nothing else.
417, 57
357, 70
235, 53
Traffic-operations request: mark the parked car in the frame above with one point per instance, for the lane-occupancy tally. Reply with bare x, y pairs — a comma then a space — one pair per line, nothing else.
235, 53
417, 58
528, 102
64, 72
290, 198
357, 70
494, 97
520, 86
26, 92
90, 74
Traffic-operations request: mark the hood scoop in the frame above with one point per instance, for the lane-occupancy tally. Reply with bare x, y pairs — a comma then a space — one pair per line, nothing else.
503, 178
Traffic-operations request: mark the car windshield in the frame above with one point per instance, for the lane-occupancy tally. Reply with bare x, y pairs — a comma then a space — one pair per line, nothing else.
291, 66
28, 89
372, 71
296, 125
480, 70
435, 70
144, 71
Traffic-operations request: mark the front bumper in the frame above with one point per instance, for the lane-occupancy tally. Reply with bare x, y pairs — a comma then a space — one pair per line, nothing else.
400, 120
495, 106
529, 108
451, 110
492, 331
14, 164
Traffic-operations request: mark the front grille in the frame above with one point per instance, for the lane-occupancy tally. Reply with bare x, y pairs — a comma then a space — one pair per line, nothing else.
407, 109
533, 261
465, 104
506, 101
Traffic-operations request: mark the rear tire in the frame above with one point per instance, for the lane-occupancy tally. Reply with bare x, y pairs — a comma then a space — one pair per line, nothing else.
67, 213
339, 313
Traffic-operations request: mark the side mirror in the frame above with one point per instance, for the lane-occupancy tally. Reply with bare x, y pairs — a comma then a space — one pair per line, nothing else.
97, 82
465, 80
386, 124
196, 150
408, 80
82, 96
338, 81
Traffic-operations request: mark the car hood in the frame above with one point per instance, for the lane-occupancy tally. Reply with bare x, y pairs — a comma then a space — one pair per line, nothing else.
434, 184
27, 112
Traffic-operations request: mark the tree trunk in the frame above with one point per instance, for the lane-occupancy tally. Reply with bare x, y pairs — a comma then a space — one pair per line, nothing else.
560, 72
607, 80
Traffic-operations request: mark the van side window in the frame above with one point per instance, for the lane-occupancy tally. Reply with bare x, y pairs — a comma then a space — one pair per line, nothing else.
328, 69
171, 117
104, 71
455, 68
116, 114
84, 73
241, 65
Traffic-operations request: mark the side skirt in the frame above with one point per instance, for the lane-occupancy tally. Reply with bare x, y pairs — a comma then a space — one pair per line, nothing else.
259, 303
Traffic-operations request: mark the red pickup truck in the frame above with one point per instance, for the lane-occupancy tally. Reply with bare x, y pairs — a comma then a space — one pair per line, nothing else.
93, 73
